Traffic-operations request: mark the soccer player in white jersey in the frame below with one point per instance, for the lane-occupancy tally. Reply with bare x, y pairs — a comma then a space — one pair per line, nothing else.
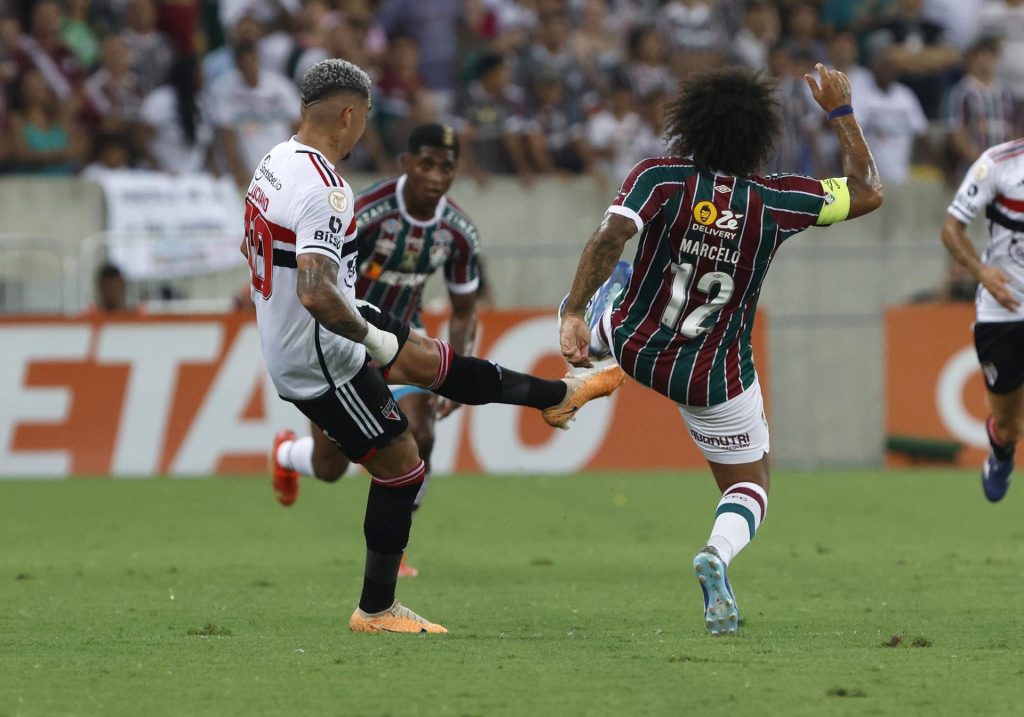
995, 184
709, 228
323, 351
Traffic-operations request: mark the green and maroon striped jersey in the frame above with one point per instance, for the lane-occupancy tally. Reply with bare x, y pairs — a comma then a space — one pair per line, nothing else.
683, 325
397, 253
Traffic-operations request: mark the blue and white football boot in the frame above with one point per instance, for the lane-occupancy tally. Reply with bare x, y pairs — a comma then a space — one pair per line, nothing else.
604, 297
721, 614
995, 474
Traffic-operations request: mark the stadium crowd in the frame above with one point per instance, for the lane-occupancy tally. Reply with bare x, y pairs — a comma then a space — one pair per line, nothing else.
535, 87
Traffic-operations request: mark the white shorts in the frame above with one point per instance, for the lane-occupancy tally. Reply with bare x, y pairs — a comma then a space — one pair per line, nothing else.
732, 432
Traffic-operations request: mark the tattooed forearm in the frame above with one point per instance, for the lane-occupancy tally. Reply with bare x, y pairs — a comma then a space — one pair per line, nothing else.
599, 256
317, 288
859, 166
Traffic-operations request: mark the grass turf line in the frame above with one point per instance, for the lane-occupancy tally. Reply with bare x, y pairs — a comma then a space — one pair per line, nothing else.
864, 593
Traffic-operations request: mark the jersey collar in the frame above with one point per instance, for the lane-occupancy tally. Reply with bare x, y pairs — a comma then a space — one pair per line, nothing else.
399, 194
314, 150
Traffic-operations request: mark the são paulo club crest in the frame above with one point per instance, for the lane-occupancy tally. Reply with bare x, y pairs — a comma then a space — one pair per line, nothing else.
1016, 252
390, 410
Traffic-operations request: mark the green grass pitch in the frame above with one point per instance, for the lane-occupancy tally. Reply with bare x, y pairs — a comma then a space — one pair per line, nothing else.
864, 593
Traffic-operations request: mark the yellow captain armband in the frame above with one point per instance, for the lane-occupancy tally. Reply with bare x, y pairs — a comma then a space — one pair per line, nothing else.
837, 201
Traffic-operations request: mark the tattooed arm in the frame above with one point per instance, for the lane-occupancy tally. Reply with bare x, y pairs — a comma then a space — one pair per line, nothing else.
862, 178
317, 288
599, 257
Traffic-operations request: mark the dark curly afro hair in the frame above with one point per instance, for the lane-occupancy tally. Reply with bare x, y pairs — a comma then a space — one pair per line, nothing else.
727, 119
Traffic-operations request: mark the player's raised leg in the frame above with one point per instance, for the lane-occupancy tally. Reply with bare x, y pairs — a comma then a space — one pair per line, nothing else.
419, 406
1004, 430
733, 437
315, 456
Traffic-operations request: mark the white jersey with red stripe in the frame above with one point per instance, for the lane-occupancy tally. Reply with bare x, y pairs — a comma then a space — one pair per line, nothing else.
996, 184
298, 204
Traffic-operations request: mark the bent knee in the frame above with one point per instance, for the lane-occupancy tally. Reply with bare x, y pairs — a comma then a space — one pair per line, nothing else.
330, 468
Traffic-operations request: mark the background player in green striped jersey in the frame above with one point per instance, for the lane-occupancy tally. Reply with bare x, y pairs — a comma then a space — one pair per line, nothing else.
408, 229
709, 227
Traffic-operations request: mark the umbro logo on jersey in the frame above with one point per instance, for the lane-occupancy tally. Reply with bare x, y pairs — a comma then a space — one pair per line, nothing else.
722, 188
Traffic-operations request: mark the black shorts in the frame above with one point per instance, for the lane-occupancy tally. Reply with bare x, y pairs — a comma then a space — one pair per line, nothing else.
1000, 347
360, 416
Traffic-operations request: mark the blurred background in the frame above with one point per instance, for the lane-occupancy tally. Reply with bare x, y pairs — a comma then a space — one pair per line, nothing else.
129, 129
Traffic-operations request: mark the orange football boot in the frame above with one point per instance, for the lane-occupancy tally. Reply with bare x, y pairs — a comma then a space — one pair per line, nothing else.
583, 388
396, 618
286, 481
405, 570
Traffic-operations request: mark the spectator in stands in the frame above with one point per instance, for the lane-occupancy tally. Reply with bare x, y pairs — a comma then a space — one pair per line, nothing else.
44, 138
618, 134
1004, 19
560, 144
981, 107
401, 99
959, 19
892, 118
597, 48
696, 33
280, 13
10, 34
221, 61
495, 127
853, 15
795, 148
177, 130
760, 31
550, 51
111, 292
647, 70
804, 33
923, 59
253, 109
112, 94
78, 34
110, 151
151, 50
44, 49
435, 26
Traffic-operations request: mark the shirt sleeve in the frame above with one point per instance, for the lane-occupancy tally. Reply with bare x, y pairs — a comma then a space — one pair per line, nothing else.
326, 223
977, 190
797, 202
462, 270
646, 188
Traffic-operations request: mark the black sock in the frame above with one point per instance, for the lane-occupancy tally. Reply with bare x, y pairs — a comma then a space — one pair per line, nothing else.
474, 382
1001, 452
386, 527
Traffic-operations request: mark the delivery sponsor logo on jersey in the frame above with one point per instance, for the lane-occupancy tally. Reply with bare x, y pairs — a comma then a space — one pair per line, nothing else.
707, 221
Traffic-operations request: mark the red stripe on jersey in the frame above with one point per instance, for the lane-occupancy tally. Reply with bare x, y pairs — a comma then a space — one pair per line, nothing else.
277, 232
331, 173
634, 175
1016, 205
1011, 155
1008, 148
351, 227
316, 166
375, 194
733, 380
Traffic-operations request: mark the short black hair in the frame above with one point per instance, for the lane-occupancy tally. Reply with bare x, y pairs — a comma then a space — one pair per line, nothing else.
109, 271
487, 62
242, 48
727, 119
433, 134
985, 43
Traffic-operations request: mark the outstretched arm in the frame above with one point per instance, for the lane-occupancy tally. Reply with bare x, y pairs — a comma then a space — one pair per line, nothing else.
317, 289
599, 256
864, 183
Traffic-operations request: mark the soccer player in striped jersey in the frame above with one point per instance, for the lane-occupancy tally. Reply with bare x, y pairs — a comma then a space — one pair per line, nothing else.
709, 228
328, 354
409, 228
996, 184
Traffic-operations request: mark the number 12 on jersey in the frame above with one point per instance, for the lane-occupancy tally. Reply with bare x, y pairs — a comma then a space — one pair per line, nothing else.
691, 327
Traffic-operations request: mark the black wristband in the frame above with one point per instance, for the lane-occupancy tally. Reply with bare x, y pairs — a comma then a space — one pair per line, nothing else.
840, 111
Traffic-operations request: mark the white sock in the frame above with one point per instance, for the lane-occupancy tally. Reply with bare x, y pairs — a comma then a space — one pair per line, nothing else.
740, 512
297, 455
598, 344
